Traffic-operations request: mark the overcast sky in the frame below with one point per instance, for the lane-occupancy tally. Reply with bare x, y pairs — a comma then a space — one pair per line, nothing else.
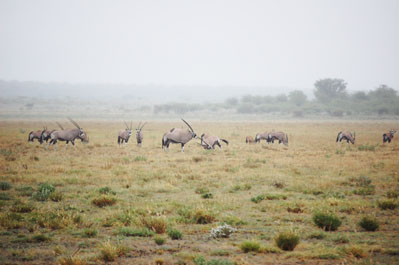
240, 43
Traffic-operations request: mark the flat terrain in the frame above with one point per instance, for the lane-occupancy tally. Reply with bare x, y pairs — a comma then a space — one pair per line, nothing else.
259, 189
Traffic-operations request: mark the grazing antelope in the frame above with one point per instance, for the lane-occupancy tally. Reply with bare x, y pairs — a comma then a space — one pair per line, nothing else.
209, 142
387, 137
124, 135
346, 136
262, 136
249, 140
68, 135
139, 134
280, 136
35, 135
178, 136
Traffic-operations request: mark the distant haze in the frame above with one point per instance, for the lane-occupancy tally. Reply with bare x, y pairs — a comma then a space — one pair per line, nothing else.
252, 46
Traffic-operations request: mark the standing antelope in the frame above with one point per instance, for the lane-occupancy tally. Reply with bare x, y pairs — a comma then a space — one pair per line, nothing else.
68, 135
249, 140
124, 135
35, 135
47, 133
209, 141
280, 136
178, 136
346, 136
139, 134
387, 137
262, 136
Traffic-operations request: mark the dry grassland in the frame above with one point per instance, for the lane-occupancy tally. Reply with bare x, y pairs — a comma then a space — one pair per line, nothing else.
111, 204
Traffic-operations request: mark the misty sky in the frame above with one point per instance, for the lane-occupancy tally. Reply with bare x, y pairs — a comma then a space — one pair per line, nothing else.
215, 43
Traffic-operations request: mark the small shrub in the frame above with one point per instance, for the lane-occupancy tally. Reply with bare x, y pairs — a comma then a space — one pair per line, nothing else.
89, 232
317, 235
103, 201
203, 217
106, 190
5, 197
356, 251
144, 232
387, 204
392, 194
287, 241
327, 221
5, 185
258, 198
222, 231
368, 190
340, 239
175, 234
56, 196
367, 147
250, 246
43, 192
159, 240
156, 224
369, 223
207, 195
363, 181
109, 251
70, 260
21, 207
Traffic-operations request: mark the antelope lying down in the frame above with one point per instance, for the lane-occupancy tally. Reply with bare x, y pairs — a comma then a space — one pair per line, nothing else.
387, 137
346, 136
209, 142
178, 136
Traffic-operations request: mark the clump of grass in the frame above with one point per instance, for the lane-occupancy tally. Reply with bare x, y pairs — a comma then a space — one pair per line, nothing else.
242, 187
43, 192
367, 147
250, 246
143, 232
258, 198
156, 224
25, 190
340, 239
207, 195
21, 207
40, 238
103, 201
5, 197
287, 241
106, 190
71, 260
89, 232
327, 221
110, 251
317, 235
369, 190
234, 220
262, 197
356, 251
200, 260
174, 234
140, 158
201, 190
393, 194
202, 216
387, 204
5, 185
56, 196
11, 220
159, 240
369, 223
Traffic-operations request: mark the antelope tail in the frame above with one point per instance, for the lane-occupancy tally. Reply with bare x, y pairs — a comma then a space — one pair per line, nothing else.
224, 140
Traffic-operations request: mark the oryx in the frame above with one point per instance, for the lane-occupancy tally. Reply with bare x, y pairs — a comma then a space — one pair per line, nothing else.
124, 135
35, 135
139, 134
178, 136
387, 137
68, 135
46, 133
280, 136
346, 136
262, 136
209, 141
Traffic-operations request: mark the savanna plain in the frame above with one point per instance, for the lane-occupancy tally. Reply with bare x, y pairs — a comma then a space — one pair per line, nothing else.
314, 201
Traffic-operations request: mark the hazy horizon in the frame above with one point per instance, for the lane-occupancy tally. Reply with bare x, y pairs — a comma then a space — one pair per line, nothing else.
260, 45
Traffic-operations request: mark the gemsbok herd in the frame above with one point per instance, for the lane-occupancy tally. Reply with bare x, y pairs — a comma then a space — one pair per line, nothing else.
174, 136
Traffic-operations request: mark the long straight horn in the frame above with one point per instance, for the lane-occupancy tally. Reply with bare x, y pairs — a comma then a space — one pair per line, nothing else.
127, 127
59, 125
188, 125
74, 123
143, 125
138, 126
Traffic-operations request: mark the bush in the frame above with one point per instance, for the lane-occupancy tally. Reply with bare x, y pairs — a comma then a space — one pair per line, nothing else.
109, 251
287, 241
223, 231
43, 192
203, 217
175, 234
207, 195
5, 185
327, 221
89, 232
387, 204
369, 224
106, 190
144, 232
156, 224
248, 246
159, 240
103, 201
